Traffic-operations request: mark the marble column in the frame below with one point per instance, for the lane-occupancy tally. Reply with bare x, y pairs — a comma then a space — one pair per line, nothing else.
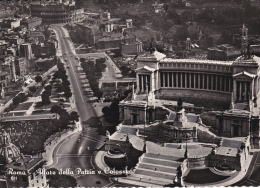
172, 79
163, 78
220, 84
253, 88
207, 81
146, 82
212, 82
216, 86
181, 80
234, 88
240, 91
189, 74
199, 81
168, 79
142, 87
203, 81
177, 79
245, 94
225, 83
194, 80
185, 79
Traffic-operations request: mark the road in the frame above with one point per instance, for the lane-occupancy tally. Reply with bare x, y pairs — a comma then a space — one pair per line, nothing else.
77, 151
252, 177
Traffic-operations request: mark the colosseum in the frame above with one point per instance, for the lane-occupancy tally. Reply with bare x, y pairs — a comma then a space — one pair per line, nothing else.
56, 13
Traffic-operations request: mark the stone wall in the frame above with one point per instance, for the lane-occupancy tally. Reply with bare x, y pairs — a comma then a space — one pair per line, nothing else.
206, 137
208, 99
209, 119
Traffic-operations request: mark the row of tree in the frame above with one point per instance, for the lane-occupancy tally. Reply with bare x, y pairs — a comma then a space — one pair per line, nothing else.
65, 117
93, 72
64, 86
20, 98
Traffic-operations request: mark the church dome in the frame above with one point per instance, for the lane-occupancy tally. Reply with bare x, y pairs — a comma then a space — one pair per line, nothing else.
8, 151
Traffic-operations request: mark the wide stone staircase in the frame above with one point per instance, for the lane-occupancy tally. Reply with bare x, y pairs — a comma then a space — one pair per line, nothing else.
154, 169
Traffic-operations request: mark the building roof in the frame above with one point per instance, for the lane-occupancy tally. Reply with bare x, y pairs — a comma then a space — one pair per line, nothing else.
145, 68
156, 56
227, 151
27, 163
230, 146
171, 60
244, 73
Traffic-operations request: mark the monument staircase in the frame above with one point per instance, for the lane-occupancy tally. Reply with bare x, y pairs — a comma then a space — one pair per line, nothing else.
154, 169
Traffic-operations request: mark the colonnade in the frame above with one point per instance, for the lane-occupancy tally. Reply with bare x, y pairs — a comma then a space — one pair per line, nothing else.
243, 90
196, 81
144, 82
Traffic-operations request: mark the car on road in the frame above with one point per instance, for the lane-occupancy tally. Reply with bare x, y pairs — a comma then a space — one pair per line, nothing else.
67, 66
78, 140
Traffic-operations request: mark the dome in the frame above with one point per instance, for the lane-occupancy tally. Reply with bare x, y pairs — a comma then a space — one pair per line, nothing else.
8, 151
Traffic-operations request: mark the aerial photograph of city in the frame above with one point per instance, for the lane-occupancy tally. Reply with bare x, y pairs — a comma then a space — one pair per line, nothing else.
129, 93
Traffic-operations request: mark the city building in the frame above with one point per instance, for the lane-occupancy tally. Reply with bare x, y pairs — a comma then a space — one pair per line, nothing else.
133, 47
10, 23
232, 85
223, 52
26, 51
3, 47
7, 70
118, 40
31, 22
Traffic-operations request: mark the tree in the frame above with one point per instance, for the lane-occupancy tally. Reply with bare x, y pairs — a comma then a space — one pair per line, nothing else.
181, 33
60, 66
124, 70
64, 118
16, 100
32, 89
74, 116
19, 98
67, 94
45, 98
64, 77
60, 87
105, 110
99, 94
38, 78
55, 109
66, 83
22, 97
48, 87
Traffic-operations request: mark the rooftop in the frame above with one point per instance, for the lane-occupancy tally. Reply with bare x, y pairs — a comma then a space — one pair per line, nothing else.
27, 163
230, 146
169, 60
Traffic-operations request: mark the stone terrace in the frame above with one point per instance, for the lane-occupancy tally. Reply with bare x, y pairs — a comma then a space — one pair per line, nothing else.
156, 169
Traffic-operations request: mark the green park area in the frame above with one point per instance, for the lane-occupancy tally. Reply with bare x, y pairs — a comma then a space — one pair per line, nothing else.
52, 98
